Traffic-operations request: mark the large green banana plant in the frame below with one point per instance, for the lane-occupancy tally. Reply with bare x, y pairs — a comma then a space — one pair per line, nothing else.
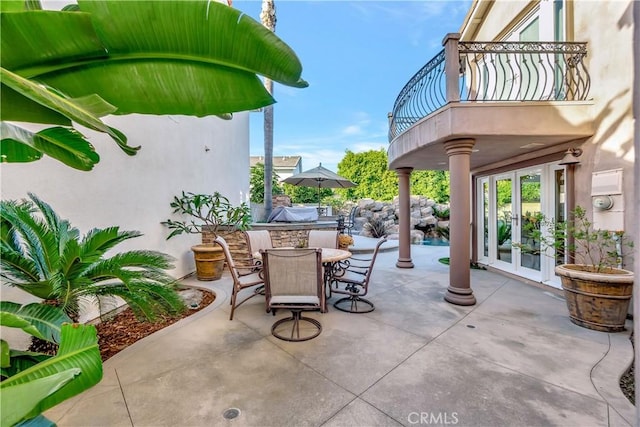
35, 382
195, 57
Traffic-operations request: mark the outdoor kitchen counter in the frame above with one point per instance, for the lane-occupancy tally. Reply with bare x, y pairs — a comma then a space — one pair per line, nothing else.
292, 234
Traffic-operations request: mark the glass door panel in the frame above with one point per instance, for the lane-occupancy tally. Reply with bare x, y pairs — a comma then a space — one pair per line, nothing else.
560, 209
530, 215
510, 208
485, 223
503, 206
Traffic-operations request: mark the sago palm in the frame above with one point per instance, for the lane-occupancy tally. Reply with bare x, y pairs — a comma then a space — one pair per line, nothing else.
46, 257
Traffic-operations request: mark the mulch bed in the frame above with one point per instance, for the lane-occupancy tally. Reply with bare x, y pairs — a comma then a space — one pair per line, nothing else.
627, 381
123, 329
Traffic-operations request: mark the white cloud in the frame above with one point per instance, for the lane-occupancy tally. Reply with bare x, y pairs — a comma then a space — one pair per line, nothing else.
367, 146
352, 130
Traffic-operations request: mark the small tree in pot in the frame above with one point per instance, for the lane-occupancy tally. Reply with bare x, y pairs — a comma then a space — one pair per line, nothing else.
212, 213
597, 289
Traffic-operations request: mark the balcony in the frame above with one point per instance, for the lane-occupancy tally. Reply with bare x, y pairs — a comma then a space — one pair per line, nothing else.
517, 100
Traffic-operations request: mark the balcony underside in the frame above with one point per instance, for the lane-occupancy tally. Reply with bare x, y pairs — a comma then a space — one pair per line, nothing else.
504, 133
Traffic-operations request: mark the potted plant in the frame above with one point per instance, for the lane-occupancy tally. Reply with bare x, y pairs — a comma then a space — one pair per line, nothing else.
212, 213
596, 287
344, 241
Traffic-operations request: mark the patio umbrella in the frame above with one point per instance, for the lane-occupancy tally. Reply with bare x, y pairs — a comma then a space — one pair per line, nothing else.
319, 177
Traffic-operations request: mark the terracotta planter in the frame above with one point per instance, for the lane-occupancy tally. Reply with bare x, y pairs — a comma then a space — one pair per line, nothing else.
597, 301
209, 261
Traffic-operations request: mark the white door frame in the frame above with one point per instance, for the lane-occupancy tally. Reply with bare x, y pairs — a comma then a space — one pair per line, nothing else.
548, 203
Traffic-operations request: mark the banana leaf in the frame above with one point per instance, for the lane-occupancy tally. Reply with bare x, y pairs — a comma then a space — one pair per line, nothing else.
195, 58
25, 397
19, 360
5, 354
40, 320
42, 386
84, 110
157, 57
49, 106
67, 145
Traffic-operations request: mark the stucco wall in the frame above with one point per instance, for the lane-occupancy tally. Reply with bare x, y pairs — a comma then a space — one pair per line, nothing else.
498, 17
178, 153
607, 27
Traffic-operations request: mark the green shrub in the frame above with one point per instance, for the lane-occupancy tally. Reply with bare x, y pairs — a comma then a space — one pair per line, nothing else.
376, 227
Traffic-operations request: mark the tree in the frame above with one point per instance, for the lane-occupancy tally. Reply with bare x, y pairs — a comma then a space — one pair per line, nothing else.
432, 184
256, 183
503, 190
300, 194
96, 58
268, 19
370, 171
45, 256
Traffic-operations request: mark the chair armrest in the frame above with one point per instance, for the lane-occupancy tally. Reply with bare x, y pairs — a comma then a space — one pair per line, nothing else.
359, 263
358, 270
246, 266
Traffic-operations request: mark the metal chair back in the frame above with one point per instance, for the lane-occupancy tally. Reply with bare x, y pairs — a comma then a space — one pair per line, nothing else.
242, 277
293, 281
354, 282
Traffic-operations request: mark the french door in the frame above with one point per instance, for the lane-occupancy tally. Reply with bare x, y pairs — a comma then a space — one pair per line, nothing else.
509, 206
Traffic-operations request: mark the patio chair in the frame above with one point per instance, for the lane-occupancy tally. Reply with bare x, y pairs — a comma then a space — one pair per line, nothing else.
350, 221
243, 277
293, 281
323, 239
354, 282
257, 240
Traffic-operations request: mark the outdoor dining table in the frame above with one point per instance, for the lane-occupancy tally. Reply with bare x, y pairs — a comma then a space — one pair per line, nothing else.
331, 258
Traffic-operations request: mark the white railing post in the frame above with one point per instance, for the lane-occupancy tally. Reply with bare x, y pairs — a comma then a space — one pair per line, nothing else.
452, 66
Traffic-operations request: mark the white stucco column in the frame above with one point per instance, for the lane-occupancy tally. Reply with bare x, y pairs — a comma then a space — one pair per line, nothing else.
459, 291
404, 222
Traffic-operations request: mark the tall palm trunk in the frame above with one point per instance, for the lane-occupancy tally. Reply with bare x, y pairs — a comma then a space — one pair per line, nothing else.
268, 19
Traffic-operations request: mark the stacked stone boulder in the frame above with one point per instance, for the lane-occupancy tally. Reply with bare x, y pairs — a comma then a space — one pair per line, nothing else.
421, 216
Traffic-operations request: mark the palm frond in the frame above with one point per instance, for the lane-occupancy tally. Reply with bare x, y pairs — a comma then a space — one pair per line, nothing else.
40, 289
50, 216
64, 291
70, 249
130, 265
149, 260
15, 267
99, 240
40, 245
146, 299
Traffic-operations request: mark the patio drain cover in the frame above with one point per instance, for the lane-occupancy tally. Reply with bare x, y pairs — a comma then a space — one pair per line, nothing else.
231, 413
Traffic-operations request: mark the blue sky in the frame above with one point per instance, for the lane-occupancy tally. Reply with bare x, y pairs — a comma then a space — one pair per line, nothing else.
356, 56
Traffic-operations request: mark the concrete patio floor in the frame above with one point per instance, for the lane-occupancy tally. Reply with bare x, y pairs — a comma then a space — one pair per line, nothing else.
513, 359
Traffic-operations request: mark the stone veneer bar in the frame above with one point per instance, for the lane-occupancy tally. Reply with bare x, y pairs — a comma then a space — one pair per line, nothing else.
283, 234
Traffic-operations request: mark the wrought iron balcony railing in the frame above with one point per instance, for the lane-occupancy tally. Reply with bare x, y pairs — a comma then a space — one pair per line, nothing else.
492, 71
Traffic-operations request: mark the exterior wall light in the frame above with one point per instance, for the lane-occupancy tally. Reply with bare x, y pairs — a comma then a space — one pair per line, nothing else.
571, 156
